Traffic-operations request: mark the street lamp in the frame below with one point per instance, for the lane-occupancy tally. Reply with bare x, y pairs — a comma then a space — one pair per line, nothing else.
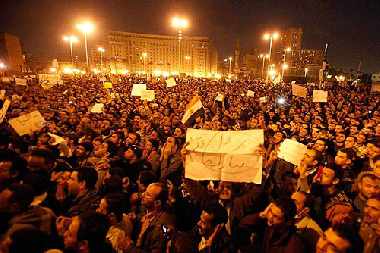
306, 70
101, 50
71, 39
86, 28
144, 55
271, 37
284, 67
180, 24
2, 66
229, 59
263, 56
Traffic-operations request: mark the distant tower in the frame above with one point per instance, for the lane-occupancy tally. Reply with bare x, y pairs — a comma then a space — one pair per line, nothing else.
237, 57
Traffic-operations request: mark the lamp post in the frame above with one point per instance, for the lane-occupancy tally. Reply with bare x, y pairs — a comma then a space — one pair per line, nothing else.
284, 67
229, 60
71, 39
180, 24
271, 37
188, 58
101, 50
86, 28
306, 70
144, 55
263, 56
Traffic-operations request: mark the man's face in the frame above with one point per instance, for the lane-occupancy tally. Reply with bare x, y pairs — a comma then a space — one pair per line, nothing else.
376, 168
274, 216
353, 130
303, 132
5, 172
205, 224
299, 199
73, 184
349, 142
360, 138
70, 238
225, 191
150, 195
339, 129
340, 138
320, 146
341, 159
114, 138
128, 154
369, 187
371, 211
330, 242
372, 150
328, 176
36, 162
80, 151
277, 138
103, 207
309, 158
131, 139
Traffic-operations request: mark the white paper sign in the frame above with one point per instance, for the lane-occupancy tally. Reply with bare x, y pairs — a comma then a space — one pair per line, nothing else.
6, 79
137, 89
219, 97
4, 109
320, 96
225, 167
292, 151
194, 105
57, 139
170, 82
97, 108
148, 95
250, 93
228, 142
27, 123
20, 81
263, 100
299, 91
375, 87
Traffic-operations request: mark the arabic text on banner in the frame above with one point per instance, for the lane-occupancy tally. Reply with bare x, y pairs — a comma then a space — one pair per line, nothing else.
320, 96
27, 123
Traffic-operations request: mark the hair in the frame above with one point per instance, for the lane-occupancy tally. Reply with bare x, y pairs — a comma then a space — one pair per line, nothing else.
163, 195
377, 158
39, 182
22, 194
146, 177
89, 175
93, 227
218, 212
338, 172
29, 239
349, 152
46, 154
18, 164
347, 231
287, 206
116, 204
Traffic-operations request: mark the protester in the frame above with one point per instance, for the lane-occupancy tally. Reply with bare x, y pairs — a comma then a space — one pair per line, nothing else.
117, 180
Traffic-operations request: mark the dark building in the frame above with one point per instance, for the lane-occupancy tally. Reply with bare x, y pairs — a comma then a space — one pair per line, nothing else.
11, 52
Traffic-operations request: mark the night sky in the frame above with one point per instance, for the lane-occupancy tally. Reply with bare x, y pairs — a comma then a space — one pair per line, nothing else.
352, 27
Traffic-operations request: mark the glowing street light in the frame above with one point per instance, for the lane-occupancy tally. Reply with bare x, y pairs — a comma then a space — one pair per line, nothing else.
306, 70
271, 37
229, 59
284, 67
2, 65
144, 55
101, 50
71, 39
179, 24
86, 28
263, 56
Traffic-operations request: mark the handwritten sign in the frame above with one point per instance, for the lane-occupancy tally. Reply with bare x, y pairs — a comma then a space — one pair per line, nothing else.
250, 93
4, 109
170, 82
219, 97
194, 105
97, 108
20, 81
137, 89
107, 85
299, 91
229, 142
320, 96
375, 87
225, 167
27, 123
57, 139
263, 100
292, 151
148, 95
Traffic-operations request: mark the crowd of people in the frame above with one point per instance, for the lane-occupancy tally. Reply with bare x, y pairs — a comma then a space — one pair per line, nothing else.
116, 183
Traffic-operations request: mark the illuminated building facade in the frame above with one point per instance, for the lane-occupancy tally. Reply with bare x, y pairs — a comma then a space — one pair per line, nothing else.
148, 53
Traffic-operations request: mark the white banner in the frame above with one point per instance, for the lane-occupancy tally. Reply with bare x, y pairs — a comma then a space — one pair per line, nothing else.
299, 91
20, 81
320, 96
27, 123
97, 108
292, 151
148, 95
220, 97
137, 89
250, 93
170, 82
224, 167
228, 142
